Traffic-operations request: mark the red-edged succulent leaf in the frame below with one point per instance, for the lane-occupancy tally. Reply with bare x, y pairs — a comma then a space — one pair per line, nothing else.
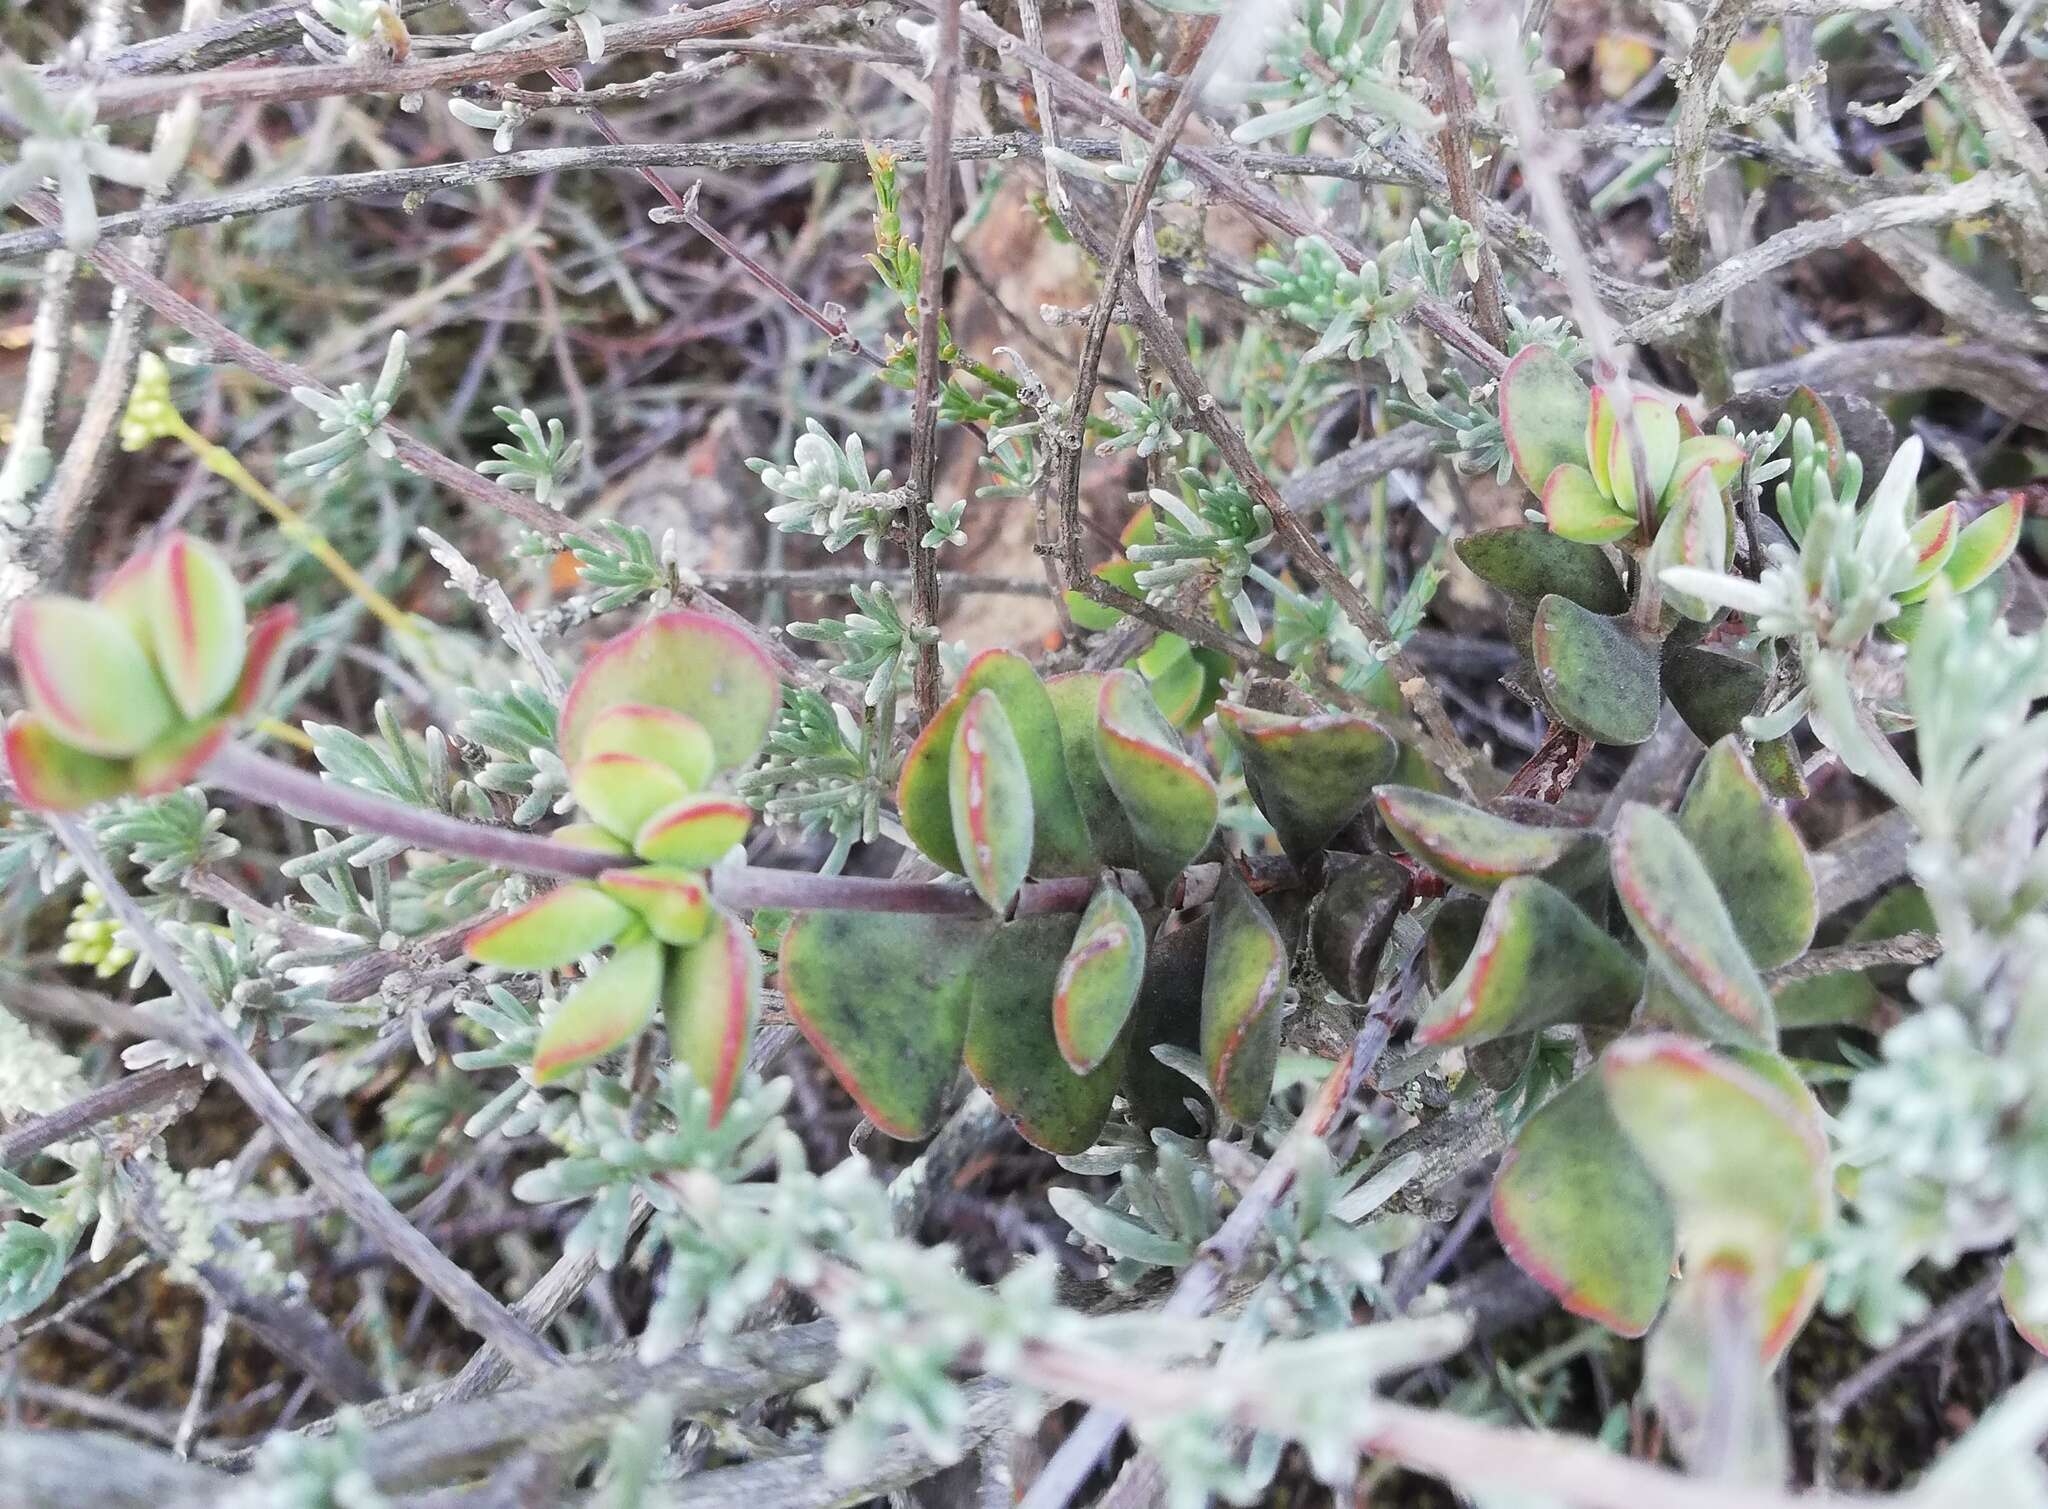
1984, 546
672, 902
1576, 509
1060, 844
199, 629
1656, 427
551, 930
1597, 676
660, 734
1468, 846
602, 1014
1580, 1212
1734, 1139
177, 758
1169, 1012
1309, 776
1695, 532
1354, 920
52, 776
1671, 901
1599, 437
884, 1000
1097, 984
1934, 541
1754, 854
693, 831
691, 662
263, 659
1170, 800
924, 787
1448, 942
2014, 1293
709, 1002
1012, 1051
591, 838
130, 592
1538, 960
1808, 405
1718, 456
1528, 564
1244, 979
622, 791
1852, 996
1543, 408
991, 801
87, 678
1075, 697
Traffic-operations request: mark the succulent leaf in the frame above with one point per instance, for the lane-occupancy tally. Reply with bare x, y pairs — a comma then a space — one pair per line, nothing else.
690, 662
1469, 846
1543, 409
991, 801
87, 678
661, 734
53, 776
263, 660
1577, 510
1538, 960
709, 1003
1354, 920
1528, 564
1598, 677
199, 629
1754, 855
177, 758
622, 791
1075, 697
1012, 1050
1711, 691
1097, 984
1671, 901
693, 831
603, 1013
550, 931
1170, 800
671, 902
1309, 776
1244, 980
883, 998
1580, 1212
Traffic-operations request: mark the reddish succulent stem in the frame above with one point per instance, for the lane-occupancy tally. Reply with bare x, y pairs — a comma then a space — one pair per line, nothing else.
259, 778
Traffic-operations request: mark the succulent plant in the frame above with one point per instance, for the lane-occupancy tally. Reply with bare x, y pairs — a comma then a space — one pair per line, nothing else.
132, 691
654, 718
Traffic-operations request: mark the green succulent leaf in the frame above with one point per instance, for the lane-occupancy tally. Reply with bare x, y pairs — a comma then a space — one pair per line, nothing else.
1543, 409
1075, 697
672, 902
1712, 691
1244, 981
53, 776
1672, 902
622, 791
690, 662
693, 831
1734, 1139
1580, 1212
1170, 800
710, 1001
1012, 1050
991, 801
1098, 980
1538, 960
199, 629
661, 734
1528, 564
883, 998
603, 1013
1577, 510
1754, 855
1309, 776
87, 678
1598, 677
1355, 918
550, 931
1468, 846
1168, 1014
